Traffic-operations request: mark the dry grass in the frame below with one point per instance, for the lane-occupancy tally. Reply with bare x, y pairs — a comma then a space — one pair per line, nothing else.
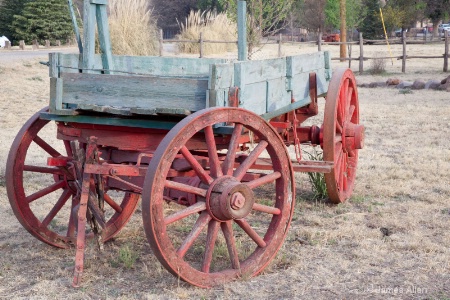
133, 30
393, 232
214, 27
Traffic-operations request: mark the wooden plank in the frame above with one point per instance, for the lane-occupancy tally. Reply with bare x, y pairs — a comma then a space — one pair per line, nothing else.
104, 37
277, 95
70, 63
221, 76
53, 58
56, 87
149, 65
89, 36
254, 97
249, 72
105, 109
134, 91
100, 2
305, 63
218, 97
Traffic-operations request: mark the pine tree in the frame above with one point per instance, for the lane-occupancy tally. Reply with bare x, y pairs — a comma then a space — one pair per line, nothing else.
371, 26
9, 8
43, 20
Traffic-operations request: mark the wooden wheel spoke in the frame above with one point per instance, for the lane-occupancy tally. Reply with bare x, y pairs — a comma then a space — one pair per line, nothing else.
43, 170
201, 223
68, 148
185, 188
112, 203
251, 232
250, 160
344, 172
227, 230
57, 207
266, 209
197, 207
201, 173
216, 169
351, 112
339, 128
46, 147
73, 214
48, 190
228, 164
348, 100
263, 180
213, 230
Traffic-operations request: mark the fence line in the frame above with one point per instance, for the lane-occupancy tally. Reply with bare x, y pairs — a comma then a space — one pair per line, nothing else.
404, 41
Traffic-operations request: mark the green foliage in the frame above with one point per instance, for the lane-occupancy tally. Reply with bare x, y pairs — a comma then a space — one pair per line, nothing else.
372, 26
317, 180
264, 17
212, 5
127, 256
43, 20
8, 9
408, 12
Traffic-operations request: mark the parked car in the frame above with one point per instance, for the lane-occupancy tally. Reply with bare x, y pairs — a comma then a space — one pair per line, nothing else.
398, 32
444, 27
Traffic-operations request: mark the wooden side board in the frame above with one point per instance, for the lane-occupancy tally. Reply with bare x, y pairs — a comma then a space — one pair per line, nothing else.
140, 65
267, 87
180, 86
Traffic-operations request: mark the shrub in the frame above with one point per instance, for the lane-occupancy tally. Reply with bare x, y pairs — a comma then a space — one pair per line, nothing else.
131, 27
378, 65
213, 26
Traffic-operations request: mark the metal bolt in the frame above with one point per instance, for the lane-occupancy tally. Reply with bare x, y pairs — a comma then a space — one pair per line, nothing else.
237, 201
112, 172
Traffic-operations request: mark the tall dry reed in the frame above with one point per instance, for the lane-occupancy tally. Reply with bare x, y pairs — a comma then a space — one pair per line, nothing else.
213, 26
133, 31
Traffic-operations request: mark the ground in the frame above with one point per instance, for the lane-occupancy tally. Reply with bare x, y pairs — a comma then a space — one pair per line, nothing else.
390, 240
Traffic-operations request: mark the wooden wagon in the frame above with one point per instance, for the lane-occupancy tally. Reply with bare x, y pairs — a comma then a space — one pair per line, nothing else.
203, 143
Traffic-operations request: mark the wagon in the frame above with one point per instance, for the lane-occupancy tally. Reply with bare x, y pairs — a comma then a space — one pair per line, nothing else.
202, 142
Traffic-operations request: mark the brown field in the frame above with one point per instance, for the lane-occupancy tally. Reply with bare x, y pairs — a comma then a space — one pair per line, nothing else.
391, 240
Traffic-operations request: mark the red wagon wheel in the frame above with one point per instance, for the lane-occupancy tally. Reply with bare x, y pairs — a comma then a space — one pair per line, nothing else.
342, 134
44, 198
228, 193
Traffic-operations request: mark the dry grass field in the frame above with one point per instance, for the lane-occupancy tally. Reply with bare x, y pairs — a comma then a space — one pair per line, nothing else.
391, 240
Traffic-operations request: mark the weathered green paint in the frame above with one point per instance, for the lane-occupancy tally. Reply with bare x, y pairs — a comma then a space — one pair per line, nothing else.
88, 36
104, 37
127, 92
112, 121
242, 30
145, 65
75, 26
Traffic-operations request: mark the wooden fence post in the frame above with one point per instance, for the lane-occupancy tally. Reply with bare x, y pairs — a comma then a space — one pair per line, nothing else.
361, 53
446, 36
404, 52
161, 42
22, 45
35, 45
47, 43
280, 40
58, 43
8, 45
349, 56
201, 44
319, 42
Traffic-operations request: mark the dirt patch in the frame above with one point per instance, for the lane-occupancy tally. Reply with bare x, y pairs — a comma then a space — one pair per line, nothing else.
390, 240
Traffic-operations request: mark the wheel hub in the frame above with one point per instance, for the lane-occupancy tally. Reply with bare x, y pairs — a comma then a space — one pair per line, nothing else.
229, 199
354, 137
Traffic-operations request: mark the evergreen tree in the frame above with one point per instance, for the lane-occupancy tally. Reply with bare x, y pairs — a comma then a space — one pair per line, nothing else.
371, 26
9, 8
43, 20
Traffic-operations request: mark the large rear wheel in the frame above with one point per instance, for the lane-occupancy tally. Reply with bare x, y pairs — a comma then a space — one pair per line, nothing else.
229, 219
